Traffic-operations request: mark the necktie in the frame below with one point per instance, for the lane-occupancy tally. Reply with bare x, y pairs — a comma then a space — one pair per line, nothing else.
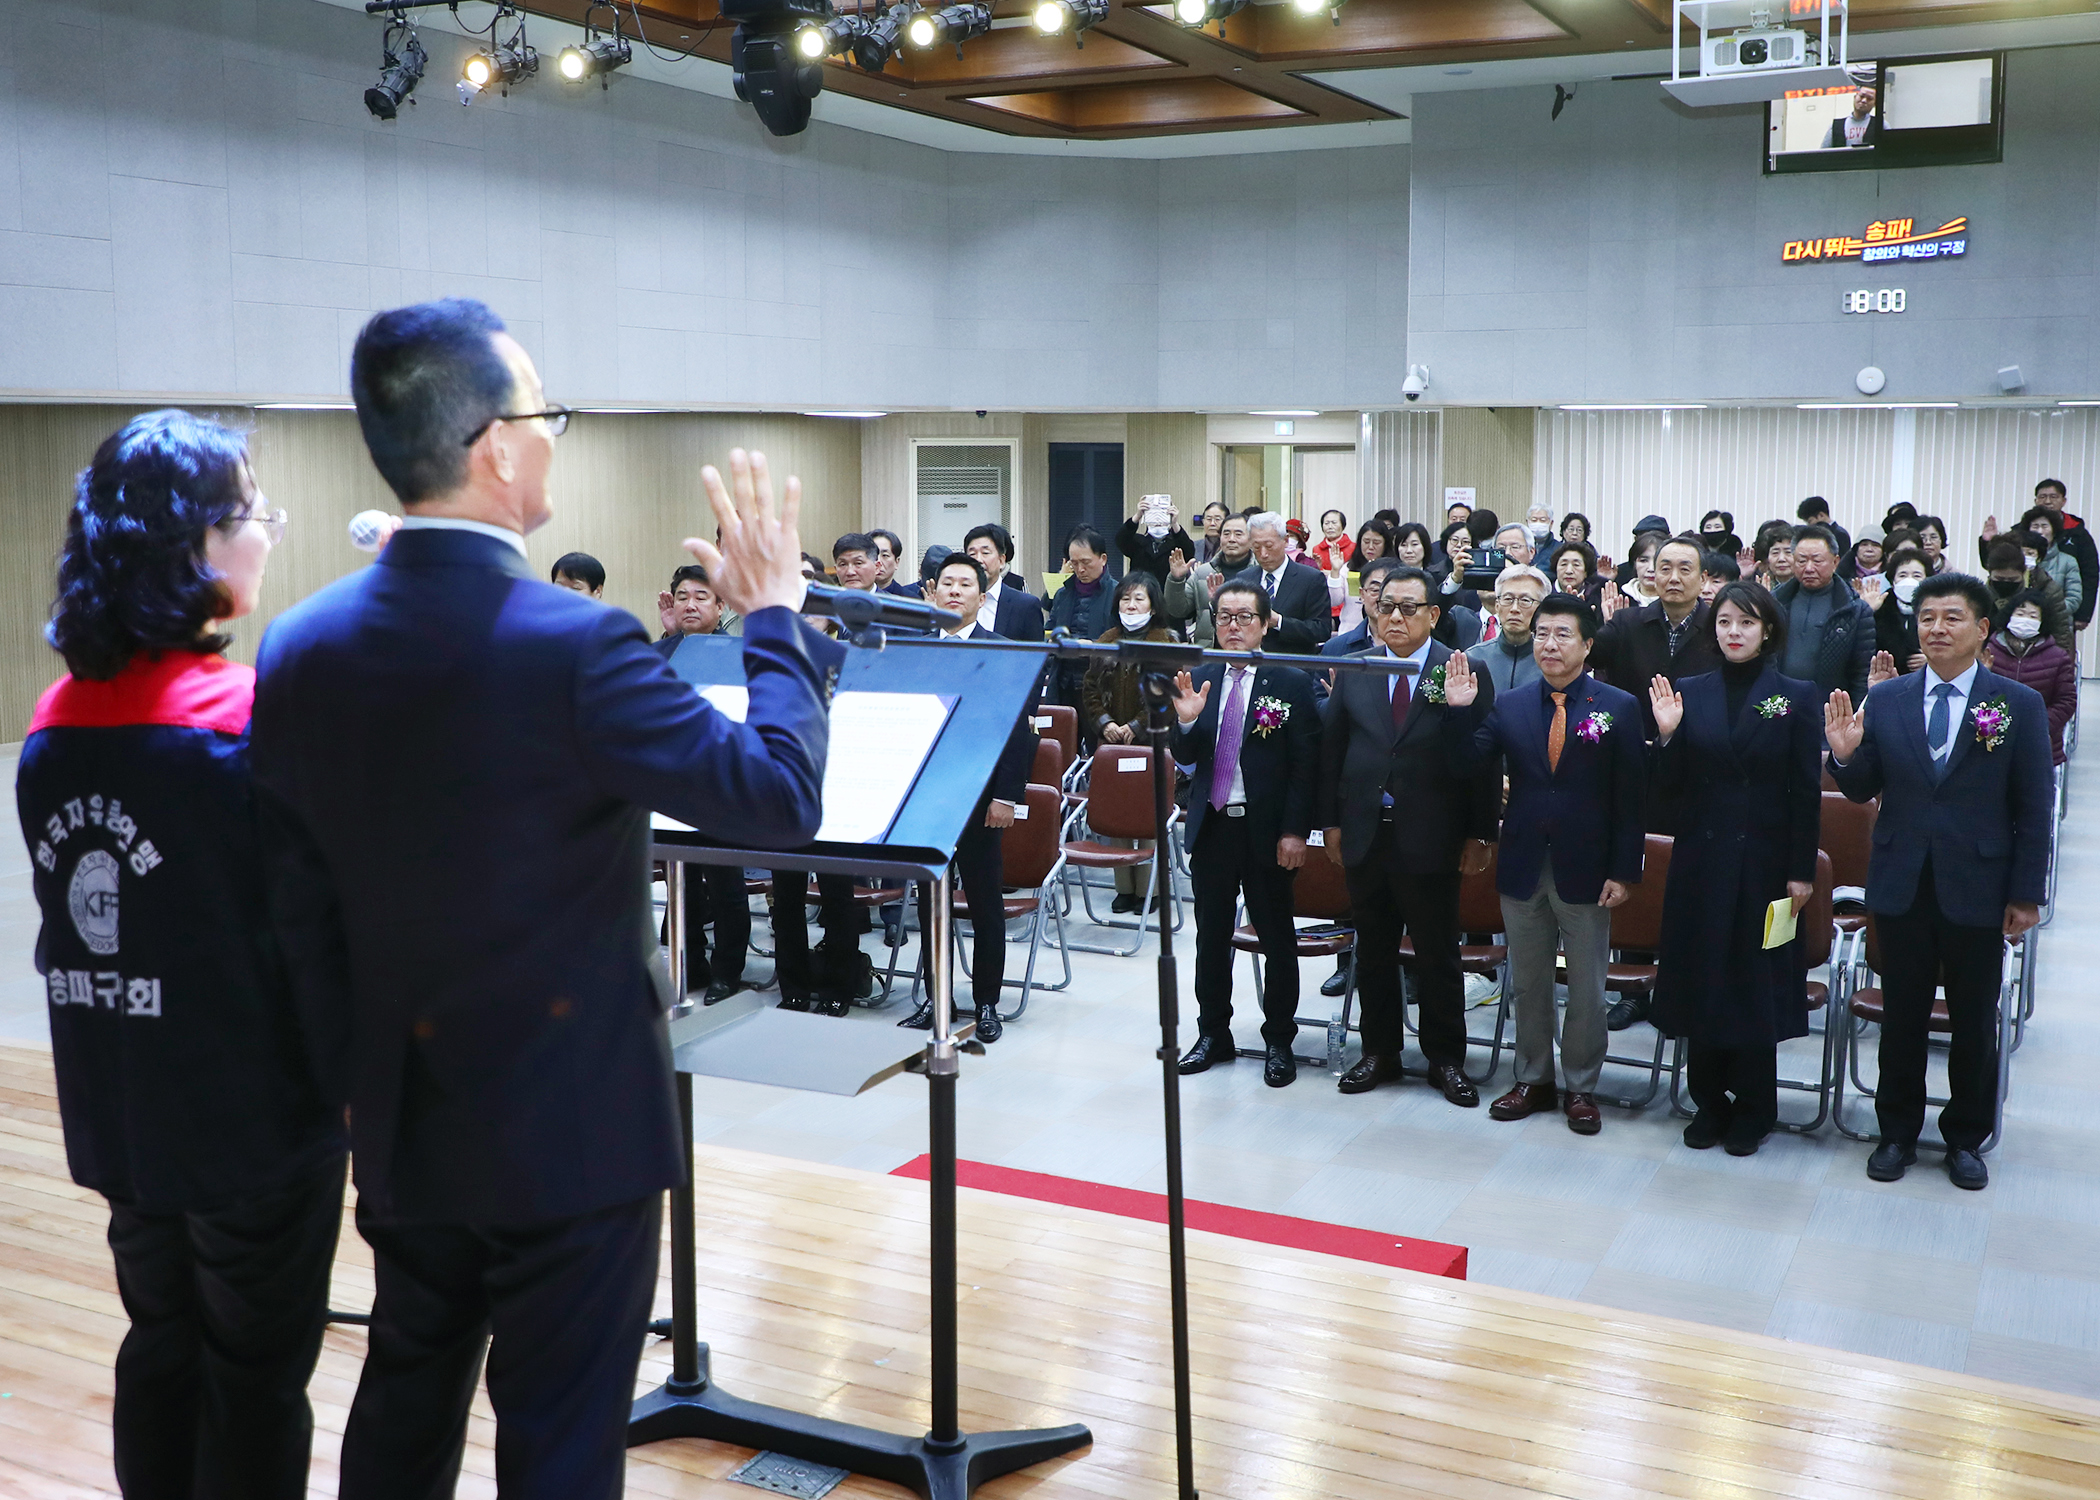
1270, 580
1403, 695
1232, 720
1937, 727
1557, 735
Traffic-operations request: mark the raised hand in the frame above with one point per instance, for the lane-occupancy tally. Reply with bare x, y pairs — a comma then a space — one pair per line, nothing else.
1990, 528
1843, 726
758, 561
1747, 560
1459, 687
1881, 669
1604, 563
1668, 704
667, 612
1873, 588
1188, 698
1215, 582
1612, 601
1177, 564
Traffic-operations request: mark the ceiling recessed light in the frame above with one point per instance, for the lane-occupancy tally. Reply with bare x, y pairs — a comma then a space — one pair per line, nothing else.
862, 415
2078, 403
1292, 413
1876, 405
304, 406
1456, 72
1634, 406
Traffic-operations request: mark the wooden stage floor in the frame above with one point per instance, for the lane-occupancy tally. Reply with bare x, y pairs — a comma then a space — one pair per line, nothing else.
1316, 1377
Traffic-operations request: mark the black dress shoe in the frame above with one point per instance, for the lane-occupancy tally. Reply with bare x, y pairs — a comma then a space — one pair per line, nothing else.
793, 999
920, 1019
1369, 1072
1706, 1130
1454, 1086
1624, 1013
1965, 1169
1889, 1160
722, 989
1123, 903
1208, 1052
1745, 1136
1335, 983
1281, 1068
893, 932
989, 1027
830, 1003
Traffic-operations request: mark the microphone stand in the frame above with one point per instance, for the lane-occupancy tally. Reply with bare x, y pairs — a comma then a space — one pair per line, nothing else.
1157, 662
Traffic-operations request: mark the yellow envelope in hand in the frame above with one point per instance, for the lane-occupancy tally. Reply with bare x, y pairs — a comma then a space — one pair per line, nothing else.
1779, 922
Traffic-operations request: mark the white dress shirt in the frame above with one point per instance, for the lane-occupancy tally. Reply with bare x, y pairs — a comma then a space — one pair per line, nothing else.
456, 523
988, 609
1394, 679
1957, 705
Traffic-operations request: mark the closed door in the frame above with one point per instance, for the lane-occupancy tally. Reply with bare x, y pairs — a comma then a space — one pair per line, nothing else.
1086, 488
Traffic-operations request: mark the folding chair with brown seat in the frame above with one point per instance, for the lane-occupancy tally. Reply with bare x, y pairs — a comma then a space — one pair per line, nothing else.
1049, 767
1867, 1008
1848, 838
1031, 861
1479, 952
1636, 927
1119, 806
1320, 893
1059, 722
1818, 933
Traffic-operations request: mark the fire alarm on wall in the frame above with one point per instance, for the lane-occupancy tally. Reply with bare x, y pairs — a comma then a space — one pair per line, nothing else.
1871, 380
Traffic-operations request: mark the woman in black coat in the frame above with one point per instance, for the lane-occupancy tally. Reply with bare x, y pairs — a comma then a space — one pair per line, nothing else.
1742, 747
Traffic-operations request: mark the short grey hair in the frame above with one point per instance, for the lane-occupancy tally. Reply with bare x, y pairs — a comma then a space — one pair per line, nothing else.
1266, 518
1518, 572
1518, 527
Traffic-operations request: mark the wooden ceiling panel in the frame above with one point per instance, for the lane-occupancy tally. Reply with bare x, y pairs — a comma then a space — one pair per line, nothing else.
1141, 74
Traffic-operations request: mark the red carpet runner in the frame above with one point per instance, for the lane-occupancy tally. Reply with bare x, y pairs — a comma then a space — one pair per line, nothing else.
1431, 1256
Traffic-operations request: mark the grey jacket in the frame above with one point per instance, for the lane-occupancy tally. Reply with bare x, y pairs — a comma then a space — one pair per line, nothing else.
1503, 667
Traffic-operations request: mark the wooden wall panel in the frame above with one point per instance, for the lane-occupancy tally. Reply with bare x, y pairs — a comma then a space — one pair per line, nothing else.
1489, 448
1167, 453
886, 477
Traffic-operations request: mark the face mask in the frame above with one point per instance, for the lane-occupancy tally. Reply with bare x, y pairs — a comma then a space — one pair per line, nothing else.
1540, 531
1155, 528
2023, 627
1133, 622
2005, 590
1906, 588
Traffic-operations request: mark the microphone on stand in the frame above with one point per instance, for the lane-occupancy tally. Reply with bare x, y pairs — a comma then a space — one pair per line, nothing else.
857, 610
371, 529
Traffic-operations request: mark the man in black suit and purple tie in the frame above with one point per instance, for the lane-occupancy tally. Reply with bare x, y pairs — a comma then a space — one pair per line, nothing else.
1254, 736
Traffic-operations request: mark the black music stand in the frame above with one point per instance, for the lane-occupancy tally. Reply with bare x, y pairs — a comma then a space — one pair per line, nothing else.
760, 1043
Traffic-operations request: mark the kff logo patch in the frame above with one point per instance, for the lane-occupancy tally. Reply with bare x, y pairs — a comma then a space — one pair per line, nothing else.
92, 901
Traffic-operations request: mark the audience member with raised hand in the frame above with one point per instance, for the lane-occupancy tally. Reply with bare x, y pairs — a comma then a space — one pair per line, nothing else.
1254, 743
1741, 757
1960, 758
1404, 826
1572, 843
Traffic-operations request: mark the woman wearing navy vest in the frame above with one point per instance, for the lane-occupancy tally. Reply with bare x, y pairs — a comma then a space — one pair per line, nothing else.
182, 1081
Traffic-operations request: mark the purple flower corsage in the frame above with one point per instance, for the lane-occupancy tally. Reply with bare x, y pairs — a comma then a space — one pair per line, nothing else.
1594, 728
1270, 715
1993, 723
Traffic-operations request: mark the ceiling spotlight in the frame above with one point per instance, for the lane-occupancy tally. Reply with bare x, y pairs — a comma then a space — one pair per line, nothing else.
595, 58
840, 34
401, 64
879, 40
500, 64
1055, 16
1200, 13
951, 23
1314, 7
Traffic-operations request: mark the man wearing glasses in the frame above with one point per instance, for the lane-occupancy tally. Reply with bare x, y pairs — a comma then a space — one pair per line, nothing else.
455, 763
1506, 661
1404, 827
1253, 734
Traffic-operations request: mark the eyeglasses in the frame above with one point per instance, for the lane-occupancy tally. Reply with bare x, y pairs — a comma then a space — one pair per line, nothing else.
1518, 598
1237, 616
1406, 608
272, 522
556, 418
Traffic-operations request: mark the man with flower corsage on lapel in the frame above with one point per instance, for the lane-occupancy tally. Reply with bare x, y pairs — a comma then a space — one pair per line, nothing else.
1253, 733
1572, 844
1960, 759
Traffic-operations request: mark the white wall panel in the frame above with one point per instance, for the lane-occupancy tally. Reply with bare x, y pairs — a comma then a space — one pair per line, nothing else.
1400, 465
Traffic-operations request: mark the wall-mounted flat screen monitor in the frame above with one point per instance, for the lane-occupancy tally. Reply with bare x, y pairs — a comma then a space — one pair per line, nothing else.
1902, 112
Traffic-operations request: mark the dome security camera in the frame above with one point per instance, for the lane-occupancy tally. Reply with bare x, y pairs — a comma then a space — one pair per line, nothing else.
1417, 382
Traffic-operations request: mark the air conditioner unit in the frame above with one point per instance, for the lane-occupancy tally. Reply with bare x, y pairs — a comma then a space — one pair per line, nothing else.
1763, 48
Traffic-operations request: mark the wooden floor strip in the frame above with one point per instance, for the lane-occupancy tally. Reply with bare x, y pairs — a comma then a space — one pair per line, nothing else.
1315, 1377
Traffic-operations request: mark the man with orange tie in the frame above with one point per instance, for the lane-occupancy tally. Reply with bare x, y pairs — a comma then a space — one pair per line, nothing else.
1572, 843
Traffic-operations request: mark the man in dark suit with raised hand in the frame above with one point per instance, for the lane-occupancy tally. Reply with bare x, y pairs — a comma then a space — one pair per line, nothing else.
980, 853
1960, 759
1254, 736
1404, 828
1572, 843
455, 764
1301, 617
